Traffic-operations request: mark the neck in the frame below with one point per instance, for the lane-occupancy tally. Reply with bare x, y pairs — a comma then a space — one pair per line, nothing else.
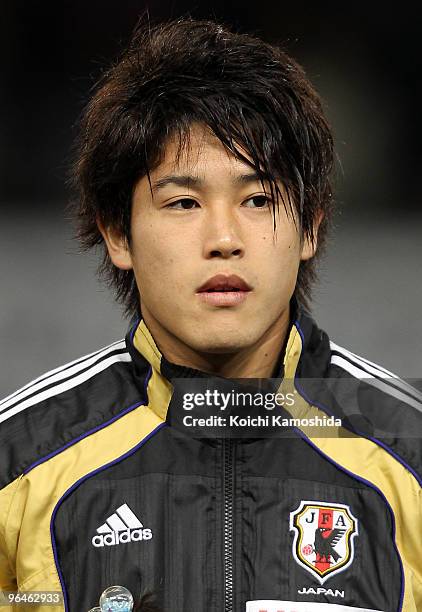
255, 361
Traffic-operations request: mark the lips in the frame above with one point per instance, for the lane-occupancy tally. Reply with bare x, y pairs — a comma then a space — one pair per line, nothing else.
224, 291
223, 283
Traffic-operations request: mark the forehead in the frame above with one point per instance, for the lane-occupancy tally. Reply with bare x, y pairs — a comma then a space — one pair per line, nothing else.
197, 151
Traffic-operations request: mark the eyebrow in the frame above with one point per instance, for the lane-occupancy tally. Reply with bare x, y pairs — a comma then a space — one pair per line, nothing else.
178, 180
195, 181
252, 177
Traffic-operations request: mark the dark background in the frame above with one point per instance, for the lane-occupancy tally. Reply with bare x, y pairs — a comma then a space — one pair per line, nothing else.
367, 66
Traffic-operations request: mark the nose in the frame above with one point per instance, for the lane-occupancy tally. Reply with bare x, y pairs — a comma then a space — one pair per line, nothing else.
222, 235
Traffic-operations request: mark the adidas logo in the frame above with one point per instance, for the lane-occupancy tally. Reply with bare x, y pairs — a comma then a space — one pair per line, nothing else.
120, 528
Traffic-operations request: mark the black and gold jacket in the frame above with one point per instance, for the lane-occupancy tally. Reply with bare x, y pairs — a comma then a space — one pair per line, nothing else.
97, 488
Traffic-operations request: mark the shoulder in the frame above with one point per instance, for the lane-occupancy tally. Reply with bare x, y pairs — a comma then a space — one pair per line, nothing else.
372, 401
62, 405
354, 367
384, 406
63, 378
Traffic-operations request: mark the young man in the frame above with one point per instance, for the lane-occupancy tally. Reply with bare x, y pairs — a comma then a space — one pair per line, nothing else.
203, 171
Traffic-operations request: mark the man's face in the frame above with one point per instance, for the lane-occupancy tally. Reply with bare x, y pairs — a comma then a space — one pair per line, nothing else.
208, 214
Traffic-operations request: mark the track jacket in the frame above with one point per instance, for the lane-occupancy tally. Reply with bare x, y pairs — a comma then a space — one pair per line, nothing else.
97, 488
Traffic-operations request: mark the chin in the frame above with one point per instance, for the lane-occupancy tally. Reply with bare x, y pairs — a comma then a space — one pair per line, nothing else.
223, 344
222, 350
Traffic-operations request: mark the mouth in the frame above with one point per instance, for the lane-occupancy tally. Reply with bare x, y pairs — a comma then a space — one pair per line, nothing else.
224, 290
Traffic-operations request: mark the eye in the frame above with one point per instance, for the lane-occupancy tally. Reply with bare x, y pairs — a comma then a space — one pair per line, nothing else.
258, 201
186, 204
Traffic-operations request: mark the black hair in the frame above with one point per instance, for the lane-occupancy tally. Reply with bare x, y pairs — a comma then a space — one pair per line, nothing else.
250, 94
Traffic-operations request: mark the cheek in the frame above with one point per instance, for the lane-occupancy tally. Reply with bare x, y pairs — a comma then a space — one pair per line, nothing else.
283, 249
159, 258
280, 259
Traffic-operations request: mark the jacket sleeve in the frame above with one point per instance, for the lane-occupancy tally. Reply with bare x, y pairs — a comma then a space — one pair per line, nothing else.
7, 564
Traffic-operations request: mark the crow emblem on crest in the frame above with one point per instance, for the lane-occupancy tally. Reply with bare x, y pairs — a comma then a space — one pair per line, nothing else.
325, 541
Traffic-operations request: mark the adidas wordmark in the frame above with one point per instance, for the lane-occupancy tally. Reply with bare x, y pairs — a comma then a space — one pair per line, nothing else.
120, 528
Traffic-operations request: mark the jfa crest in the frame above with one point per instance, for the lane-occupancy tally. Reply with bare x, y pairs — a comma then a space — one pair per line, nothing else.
323, 542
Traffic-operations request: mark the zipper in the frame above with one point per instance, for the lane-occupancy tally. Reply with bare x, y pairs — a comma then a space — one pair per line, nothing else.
228, 486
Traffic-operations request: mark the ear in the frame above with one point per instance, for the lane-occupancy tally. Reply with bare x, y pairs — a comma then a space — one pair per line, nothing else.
308, 247
117, 246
